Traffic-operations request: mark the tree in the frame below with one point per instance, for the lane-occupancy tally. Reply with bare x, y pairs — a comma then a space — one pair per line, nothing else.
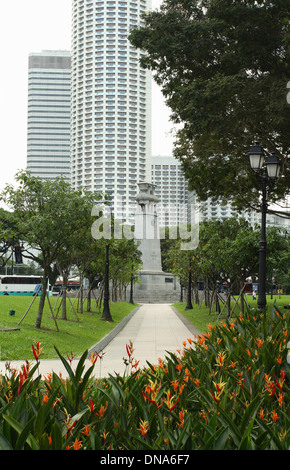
228, 253
47, 215
7, 236
223, 67
77, 248
117, 249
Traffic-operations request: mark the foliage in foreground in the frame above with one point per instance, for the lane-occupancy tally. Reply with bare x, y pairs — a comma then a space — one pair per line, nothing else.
230, 392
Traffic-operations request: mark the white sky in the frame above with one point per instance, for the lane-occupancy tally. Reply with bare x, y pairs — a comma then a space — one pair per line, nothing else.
32, 26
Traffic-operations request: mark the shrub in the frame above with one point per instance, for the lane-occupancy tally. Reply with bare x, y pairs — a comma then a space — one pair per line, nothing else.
228, 389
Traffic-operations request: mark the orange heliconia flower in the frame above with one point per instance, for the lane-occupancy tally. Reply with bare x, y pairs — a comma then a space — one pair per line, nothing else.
181, 389
169, 401
105, 435
281, 399
77, 444
274, 416
102, 410
203, 415
143, 427
94, 357
261, 414
160, 361
48, 377
221, 359
175, 384
181, 415
233, 395
45, 398
86, 432
37, 350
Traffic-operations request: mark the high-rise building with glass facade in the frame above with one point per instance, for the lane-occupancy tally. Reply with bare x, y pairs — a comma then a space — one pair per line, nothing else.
111, 102
48, 123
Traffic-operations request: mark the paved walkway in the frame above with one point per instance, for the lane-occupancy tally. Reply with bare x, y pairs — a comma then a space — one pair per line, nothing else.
153, 329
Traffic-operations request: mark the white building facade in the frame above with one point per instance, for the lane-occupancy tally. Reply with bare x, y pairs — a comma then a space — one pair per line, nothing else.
171, 189
111, 102
48, 123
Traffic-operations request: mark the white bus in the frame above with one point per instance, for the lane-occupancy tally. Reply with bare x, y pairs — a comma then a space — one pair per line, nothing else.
19, 285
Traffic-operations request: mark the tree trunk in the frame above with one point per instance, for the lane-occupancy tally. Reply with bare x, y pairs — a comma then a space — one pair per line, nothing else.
42, 300
89, 301
81, 293
64, 289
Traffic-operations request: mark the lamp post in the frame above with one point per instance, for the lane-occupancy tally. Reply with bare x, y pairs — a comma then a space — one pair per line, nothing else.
266, 168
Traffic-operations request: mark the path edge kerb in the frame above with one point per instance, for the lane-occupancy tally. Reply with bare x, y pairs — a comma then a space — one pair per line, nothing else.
190, 326
100, 345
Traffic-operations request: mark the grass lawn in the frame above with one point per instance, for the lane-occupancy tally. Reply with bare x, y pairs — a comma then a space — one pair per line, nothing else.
201, 318
73, 336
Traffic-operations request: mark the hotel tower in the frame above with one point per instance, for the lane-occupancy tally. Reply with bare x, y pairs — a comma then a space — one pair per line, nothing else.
48, 123
111, 102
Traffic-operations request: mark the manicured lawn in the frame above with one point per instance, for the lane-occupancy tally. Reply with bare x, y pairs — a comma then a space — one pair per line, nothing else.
201, 318
73, 337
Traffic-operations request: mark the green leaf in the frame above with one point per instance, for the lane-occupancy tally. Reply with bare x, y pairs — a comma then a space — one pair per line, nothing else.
19, 428
56, 437
67, 366
218, 440
226, 421
4, 443
249, 414
80, 366
42, 414
246, 443
24, 434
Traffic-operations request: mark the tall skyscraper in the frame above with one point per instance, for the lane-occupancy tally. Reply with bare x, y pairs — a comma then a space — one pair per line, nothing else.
48, 124
111, 101
171, 188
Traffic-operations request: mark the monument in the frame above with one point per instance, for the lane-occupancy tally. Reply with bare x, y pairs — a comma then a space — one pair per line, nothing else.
155, 283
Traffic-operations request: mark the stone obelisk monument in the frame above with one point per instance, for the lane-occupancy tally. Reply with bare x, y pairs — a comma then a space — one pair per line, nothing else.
153, 279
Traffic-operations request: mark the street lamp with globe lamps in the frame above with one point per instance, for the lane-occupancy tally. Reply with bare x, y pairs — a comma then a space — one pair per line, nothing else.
266, 168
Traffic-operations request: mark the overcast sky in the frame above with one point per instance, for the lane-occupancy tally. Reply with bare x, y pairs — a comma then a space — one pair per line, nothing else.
32, 26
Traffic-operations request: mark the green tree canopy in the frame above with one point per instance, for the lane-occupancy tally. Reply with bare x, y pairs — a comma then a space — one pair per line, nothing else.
7, 236
223, 67
49, 216
228, 253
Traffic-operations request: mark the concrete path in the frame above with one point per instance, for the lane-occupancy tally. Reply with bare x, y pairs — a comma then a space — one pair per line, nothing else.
153, 329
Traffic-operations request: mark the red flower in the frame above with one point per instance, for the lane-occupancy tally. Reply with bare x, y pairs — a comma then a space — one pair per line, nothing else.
91, 406
37, 351
21, 381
